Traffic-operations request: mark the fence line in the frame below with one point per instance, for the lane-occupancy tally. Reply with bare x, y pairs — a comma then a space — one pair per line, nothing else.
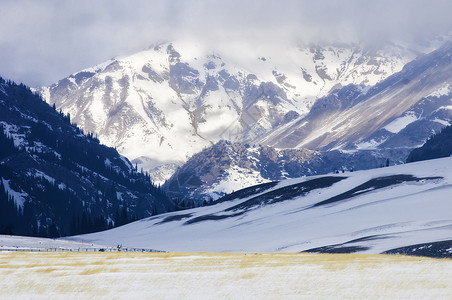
109, 249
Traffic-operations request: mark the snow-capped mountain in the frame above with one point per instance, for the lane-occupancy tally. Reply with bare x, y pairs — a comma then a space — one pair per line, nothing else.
54, 180
162, 105
400, 111
370, 211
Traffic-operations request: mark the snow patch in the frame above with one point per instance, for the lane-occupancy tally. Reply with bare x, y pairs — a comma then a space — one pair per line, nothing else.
442, 122
161, 174
126, 162
45, 94
19, 197
107, 162
44, 176
12, 131
369, 145
237, 179
442, 91
400, 123
119, 196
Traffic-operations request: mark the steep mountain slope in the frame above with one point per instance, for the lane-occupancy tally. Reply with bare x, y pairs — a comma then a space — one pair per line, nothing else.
401, 111
369, 211
162, 105
55, 181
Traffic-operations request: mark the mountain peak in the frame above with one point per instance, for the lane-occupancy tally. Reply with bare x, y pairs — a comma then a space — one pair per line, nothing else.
166, 103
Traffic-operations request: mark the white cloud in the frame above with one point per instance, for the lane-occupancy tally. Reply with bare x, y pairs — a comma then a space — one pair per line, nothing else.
43, 41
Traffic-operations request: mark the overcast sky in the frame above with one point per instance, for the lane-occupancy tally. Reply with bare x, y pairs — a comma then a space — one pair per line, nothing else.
42, 41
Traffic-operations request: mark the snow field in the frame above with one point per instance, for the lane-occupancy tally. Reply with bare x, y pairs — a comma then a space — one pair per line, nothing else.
217, 276
386, 218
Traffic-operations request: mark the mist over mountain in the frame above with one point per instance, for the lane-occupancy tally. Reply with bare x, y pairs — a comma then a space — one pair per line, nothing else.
65, 37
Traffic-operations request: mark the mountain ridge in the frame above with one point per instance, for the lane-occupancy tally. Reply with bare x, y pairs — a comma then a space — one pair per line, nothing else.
226, 167
352, 114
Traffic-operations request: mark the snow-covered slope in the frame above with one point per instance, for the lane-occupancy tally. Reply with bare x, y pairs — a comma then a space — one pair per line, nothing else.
367, 211
401, 111
167, 103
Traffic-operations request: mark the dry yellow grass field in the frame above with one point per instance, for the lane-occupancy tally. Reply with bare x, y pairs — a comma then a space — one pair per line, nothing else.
119, 275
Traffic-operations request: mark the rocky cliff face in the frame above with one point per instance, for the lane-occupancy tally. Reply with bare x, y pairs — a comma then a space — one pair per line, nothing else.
227, 167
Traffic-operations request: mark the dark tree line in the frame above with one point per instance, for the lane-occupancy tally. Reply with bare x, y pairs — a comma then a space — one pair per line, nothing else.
83, 193
77, 156
437, 146
10, 213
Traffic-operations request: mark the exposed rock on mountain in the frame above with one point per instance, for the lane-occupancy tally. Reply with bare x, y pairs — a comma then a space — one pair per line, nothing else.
227, 166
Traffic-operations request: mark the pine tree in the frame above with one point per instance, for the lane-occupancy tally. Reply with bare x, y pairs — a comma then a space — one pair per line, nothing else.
124, 216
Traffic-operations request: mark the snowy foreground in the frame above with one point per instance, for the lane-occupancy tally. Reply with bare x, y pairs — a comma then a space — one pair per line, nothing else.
367, 211
64, 275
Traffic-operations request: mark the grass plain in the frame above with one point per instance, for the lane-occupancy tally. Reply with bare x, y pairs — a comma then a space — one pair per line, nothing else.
119, 275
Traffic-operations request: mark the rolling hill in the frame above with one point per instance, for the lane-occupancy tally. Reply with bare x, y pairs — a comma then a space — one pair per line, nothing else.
374, 211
